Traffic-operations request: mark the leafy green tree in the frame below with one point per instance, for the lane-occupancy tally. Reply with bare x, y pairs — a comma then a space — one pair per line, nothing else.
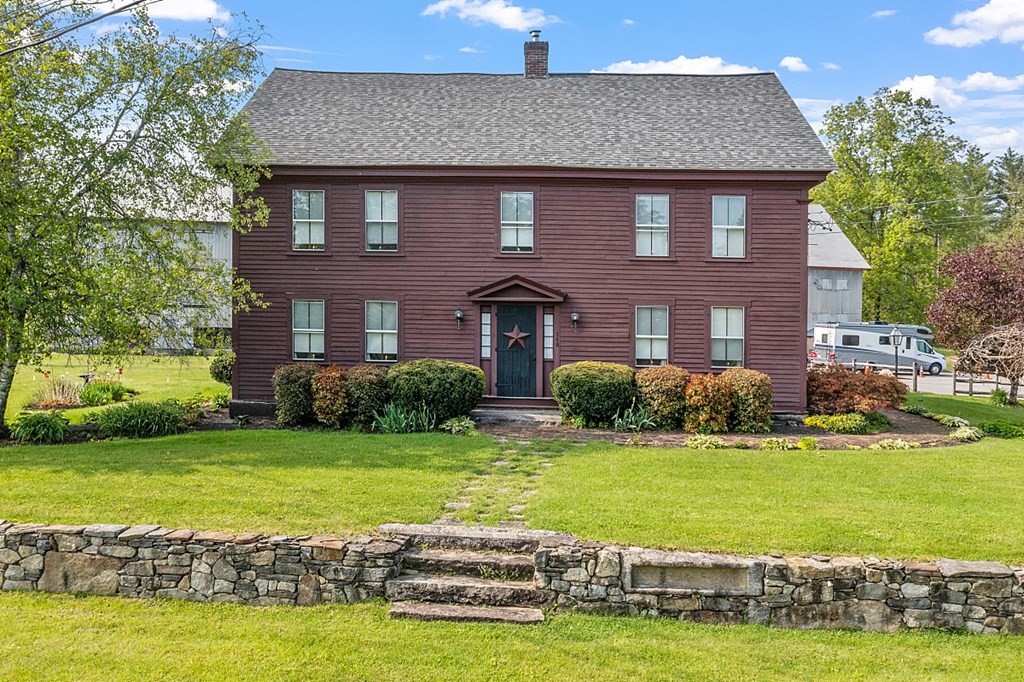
111, 151
906, 193
1008, 180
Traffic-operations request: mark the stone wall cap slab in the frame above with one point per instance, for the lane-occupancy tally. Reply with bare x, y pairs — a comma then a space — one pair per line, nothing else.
952, 568
279, 539
663, 557
810, 568
179, 535
104, 530
137, 532
19, 528
469, 531
4, 525
247, 538
62, 529
924, 568
212, 536
159, 532
330, 541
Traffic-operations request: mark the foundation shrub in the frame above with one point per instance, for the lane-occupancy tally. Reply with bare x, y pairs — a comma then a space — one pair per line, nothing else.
708, 404
661, 391
293, 393
834, 389
593, 392
44, 428
366, 393
140, 419
448, 389
222, 365
330, 404
752, 400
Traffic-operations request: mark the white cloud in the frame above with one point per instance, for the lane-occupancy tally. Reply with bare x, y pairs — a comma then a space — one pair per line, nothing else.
882, 13
1001, 20
986, 80
292, 60
182, 10
815, 109
628, 22
470, 50
830, 66
794, 64
680, 65
501, 13
941, 91
431, 57
292, 50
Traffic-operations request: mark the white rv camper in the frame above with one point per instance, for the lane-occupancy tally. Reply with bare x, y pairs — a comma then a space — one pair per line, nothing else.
871, 343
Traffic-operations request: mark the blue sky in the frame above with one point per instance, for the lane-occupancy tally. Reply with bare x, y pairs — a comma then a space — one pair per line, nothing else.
966, 55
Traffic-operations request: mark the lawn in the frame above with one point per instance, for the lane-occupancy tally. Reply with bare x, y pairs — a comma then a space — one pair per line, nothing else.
960, 502
155, 377
115, 639
260, 480
974, 410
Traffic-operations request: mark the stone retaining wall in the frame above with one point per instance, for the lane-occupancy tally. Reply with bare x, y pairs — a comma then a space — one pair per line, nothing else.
150, 561
796, 592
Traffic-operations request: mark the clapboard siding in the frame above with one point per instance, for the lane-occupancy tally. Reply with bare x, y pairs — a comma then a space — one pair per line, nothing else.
584, 239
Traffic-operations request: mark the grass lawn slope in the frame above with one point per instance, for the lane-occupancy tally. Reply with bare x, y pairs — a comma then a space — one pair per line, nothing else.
974, 410
959, 502
265, 481
117, 639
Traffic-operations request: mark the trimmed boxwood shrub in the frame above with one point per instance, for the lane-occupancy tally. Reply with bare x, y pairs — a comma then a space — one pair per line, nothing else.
330, 404
222, 365
43, 428
140, 419
752, 400
366, 393
708, 404
293, 393
593, 392
662, 392
446, 388
834, 389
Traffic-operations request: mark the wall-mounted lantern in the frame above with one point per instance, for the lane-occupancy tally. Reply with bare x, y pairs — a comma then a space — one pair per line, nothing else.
458, 317
574, 317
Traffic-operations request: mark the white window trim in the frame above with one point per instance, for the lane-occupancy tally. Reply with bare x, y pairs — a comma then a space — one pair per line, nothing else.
728, 229
485, 335
742, 338
654, 362
549, 336
652, 228
311, 245
310, 332
518, 226
380, 224
381, 332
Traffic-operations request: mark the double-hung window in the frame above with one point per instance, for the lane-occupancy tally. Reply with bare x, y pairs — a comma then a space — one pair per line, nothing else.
307, 330
728, 226
727, 337
651, 335
381, 220
307, 220
382, 331
652, 224
517, 222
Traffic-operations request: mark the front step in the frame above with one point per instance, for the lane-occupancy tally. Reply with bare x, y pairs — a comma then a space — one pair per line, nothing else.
463, 590
477, 539
473, 564
466, 614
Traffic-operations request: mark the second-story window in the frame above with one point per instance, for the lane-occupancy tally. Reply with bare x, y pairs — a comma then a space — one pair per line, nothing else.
652, 224
307, 220
517, 222
381, 220
728, 226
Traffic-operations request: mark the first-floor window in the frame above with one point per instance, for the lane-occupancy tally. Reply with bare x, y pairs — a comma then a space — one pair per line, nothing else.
307, 330
382, 330
651, 335
727, 337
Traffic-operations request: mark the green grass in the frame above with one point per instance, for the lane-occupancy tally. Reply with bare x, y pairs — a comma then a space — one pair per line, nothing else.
155, 377
265, 481
975, 410
961, 502
56, 637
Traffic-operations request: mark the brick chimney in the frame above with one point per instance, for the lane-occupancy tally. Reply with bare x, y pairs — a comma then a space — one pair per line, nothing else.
536, 53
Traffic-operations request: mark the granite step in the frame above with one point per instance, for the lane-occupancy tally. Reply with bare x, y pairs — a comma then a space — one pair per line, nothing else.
511, 540
463, 590
502, 567
463, 613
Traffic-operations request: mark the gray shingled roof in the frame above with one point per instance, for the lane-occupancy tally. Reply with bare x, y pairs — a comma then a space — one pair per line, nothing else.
827, 246
741, 122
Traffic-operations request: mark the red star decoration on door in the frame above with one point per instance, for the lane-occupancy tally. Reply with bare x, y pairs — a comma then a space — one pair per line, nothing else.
515, 337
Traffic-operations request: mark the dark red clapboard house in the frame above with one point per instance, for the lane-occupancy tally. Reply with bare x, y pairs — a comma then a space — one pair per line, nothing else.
521, 222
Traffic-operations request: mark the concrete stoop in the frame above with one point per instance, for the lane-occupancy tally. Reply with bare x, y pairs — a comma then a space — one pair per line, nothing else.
466, 574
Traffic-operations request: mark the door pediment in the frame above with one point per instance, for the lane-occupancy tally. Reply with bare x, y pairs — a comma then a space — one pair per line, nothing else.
516, 289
